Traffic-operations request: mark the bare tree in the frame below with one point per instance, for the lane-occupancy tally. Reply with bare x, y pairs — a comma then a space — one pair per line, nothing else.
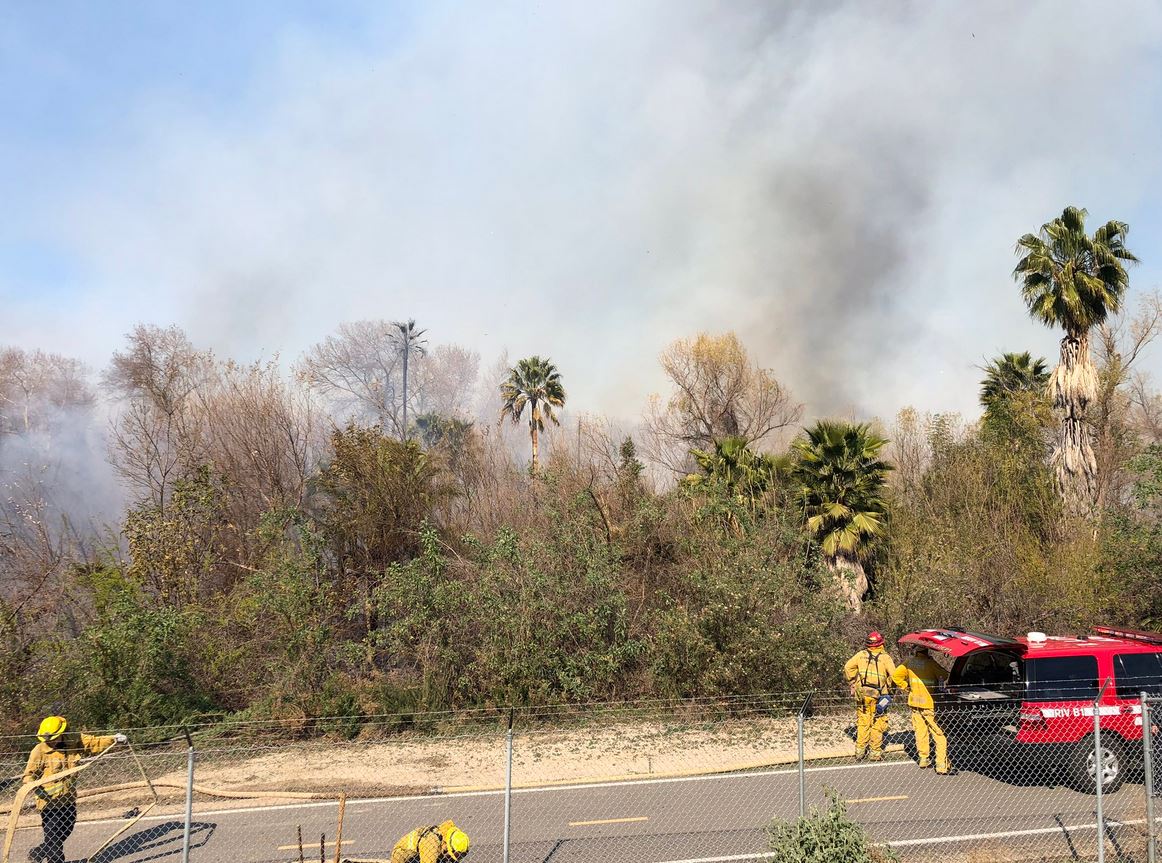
718, 393
359, 368
1124, 405
445, 381
261, 437
156, 437
34, 385
1146, 406
159, 365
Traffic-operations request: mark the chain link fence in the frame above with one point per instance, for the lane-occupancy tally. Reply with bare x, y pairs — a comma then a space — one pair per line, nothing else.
646, 781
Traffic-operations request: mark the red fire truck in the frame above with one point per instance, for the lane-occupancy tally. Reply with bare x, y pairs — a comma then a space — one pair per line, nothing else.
1034, 698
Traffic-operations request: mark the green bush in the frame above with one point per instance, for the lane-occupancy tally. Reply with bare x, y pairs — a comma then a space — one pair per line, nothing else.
130, 667
825, 835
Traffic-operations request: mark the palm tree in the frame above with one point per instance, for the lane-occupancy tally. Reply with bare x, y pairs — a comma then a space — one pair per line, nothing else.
742, 471
533, 382
841, 481
435, 430
1009, 375
409, 342
1074, 281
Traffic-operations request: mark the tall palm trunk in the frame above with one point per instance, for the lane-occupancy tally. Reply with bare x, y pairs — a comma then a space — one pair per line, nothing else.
850, 580
406, 350
1071, 388
534, 417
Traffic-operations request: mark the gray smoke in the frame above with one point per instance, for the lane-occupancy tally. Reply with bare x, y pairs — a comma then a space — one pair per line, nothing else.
841, 183
58, 493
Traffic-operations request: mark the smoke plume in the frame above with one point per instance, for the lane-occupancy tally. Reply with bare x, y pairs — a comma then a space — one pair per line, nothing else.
840, 183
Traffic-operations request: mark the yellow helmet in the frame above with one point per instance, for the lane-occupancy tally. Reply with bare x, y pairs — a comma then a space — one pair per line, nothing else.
51, 729
457, 842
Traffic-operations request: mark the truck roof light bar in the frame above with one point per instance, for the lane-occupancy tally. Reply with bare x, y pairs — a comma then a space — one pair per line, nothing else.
1129, 634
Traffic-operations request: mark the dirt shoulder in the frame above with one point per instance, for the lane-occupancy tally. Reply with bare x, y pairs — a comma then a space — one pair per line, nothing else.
235, 774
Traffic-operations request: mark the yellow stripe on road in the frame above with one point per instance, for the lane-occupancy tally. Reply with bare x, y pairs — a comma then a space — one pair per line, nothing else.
877, 799
307, 846
608, 821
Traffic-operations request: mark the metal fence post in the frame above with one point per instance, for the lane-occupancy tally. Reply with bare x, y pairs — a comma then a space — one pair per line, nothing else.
508, 785
189, 797
1148, 779
802, 760
1098, 771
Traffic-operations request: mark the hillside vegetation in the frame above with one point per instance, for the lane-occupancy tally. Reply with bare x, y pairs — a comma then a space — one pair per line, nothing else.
355, 539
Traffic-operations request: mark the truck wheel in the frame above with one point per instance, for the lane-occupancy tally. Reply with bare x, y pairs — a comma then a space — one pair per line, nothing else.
1082, 765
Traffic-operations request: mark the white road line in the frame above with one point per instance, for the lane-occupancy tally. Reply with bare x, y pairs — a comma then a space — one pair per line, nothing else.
975, 837
546, 789
765, 855
877, 799
1007, 834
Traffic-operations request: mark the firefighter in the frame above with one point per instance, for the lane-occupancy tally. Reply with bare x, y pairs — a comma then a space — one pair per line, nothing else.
444, 843
869, 674
59, 750
919, 675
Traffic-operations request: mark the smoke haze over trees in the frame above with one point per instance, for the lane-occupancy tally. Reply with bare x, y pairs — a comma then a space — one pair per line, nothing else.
721, 167
269, 545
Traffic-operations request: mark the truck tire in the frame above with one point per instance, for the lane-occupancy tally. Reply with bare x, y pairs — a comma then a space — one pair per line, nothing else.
1081, 765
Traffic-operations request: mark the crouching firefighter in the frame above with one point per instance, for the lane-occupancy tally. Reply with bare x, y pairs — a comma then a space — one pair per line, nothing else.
443, 843
869, 674
59, 750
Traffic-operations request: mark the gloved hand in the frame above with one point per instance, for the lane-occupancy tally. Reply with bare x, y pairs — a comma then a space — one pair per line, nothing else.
120, 738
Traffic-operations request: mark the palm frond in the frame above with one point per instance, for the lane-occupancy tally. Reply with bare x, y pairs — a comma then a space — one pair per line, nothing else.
841, 480
1070, 279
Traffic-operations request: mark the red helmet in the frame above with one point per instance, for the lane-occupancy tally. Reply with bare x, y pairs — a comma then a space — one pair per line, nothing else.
874, 639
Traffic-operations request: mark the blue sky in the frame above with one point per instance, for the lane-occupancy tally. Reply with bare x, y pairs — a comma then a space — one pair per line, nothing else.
840, 183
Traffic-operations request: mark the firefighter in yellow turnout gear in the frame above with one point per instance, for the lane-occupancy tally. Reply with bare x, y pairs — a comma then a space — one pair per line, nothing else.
59, 750
443, 843
919, 675
869, 674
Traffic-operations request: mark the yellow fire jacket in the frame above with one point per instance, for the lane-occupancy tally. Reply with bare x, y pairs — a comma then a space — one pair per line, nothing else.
424, 844
919, 675
48, 759
871, 671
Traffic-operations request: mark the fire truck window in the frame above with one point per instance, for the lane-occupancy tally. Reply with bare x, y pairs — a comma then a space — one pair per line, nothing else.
1063, 678
988, 669
1138, 672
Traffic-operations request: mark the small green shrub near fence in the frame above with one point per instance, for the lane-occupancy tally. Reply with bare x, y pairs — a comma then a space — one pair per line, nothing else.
825, 835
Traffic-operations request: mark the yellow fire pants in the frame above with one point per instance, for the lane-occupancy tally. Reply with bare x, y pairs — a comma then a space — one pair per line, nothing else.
869, 729
924, 725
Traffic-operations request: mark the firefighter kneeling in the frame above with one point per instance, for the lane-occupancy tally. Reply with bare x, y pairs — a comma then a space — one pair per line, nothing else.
439, 844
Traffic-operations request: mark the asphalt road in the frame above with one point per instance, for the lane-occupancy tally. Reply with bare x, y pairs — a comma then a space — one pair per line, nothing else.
645, 821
